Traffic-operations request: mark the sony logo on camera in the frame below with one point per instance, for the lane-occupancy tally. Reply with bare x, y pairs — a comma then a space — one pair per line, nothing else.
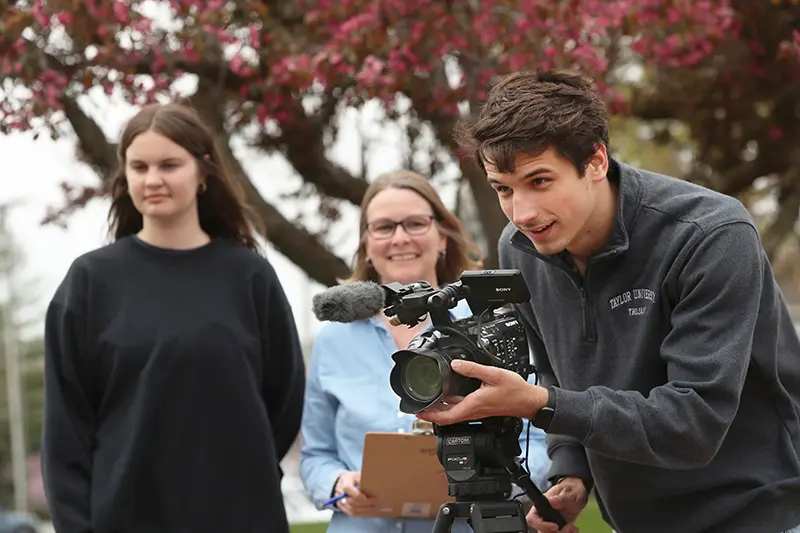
458, 441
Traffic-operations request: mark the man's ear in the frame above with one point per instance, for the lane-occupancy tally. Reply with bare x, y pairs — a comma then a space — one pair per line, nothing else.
597, 167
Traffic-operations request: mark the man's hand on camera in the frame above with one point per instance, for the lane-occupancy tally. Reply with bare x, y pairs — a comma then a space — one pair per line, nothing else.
568, 497
356, 503
502, 393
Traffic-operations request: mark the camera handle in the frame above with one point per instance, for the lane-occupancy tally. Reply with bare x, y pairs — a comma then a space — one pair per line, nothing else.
520, 478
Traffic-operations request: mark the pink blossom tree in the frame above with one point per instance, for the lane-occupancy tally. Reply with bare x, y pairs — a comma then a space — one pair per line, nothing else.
280, 73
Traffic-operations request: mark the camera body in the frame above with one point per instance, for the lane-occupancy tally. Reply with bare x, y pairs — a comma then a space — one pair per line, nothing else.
502, 336
493, 335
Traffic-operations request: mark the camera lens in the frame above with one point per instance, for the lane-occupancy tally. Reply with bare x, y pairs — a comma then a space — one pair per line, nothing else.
421, 378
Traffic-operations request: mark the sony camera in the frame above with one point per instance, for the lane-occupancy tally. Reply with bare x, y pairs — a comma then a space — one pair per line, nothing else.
492, 335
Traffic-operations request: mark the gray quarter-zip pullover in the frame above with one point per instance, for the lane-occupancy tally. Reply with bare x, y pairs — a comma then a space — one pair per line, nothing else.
675, 362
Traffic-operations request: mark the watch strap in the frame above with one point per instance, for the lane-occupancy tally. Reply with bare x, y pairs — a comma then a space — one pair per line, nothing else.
543, 417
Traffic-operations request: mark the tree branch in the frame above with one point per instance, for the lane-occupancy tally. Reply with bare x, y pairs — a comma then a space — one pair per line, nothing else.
303, 146
286, 13
295, 243
647, 105
302, 248
213, 67
735, 180
93, 146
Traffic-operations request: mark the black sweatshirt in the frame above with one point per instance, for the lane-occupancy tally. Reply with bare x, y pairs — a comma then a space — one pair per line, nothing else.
676, 364
174, 386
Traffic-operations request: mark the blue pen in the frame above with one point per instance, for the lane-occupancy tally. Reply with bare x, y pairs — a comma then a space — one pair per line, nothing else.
332, 501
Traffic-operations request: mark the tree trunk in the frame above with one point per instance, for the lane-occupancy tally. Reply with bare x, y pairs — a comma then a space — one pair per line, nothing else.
493, 220
783, 226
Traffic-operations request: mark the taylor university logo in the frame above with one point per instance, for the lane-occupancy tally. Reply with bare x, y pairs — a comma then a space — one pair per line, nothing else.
637, 300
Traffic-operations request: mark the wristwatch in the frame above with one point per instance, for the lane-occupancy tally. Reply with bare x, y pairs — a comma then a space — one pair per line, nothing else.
542, 418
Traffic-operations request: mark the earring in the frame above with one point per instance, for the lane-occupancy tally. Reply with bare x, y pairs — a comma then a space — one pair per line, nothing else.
369, 261
202, 188
442, 254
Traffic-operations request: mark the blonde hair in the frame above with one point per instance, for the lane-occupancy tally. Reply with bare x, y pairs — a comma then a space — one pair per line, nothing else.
461, 252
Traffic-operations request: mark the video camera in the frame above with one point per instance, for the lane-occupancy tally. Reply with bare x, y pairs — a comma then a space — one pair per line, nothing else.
480, 458
422, 376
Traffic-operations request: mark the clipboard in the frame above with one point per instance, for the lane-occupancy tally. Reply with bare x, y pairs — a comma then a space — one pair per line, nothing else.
401, 471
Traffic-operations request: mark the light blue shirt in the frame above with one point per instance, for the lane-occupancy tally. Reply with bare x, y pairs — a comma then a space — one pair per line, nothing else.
347, 395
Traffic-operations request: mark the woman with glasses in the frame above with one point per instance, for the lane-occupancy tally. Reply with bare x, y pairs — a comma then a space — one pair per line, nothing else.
406, 235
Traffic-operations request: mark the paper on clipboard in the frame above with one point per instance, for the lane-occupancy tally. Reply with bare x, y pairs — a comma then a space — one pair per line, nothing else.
401, 471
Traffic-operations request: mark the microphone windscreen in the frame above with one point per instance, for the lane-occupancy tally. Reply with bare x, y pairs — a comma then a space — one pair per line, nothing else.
349, 303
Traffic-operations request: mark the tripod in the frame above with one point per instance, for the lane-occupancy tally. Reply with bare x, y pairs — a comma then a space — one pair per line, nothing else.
480, 461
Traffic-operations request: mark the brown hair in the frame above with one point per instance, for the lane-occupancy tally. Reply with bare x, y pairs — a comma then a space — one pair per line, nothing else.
461, 253
529, 112
221, 208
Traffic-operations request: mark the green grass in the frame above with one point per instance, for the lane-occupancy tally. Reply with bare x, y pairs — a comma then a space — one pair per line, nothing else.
589, 521
309, 528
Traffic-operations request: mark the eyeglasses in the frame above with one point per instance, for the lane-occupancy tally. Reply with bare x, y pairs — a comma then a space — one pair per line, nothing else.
384, 228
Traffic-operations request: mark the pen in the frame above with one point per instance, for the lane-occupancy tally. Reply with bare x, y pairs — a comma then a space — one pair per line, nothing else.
332, 501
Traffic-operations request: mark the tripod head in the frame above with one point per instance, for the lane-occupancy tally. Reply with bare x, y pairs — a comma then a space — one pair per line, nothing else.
480, 460
473, 456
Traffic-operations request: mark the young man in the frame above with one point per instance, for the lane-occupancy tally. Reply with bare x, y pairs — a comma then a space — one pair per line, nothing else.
669, 365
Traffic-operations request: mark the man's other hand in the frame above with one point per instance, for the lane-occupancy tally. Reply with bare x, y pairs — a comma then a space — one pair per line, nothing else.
502, 393
568, 497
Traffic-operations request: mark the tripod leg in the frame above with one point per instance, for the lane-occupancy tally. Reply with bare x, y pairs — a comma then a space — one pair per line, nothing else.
444, 519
